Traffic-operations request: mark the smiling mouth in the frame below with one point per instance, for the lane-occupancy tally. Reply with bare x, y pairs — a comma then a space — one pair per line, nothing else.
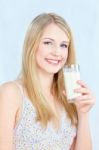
53, 61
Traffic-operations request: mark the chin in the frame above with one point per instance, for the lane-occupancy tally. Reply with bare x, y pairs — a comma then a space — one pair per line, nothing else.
53, 71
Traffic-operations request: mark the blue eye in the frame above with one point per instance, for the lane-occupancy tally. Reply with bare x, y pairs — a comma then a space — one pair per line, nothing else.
64, 45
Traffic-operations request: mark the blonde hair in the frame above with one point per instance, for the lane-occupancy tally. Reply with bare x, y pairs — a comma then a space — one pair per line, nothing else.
29, 70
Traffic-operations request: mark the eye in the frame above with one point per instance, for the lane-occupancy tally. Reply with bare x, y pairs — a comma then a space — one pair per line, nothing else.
48, 43
64, 45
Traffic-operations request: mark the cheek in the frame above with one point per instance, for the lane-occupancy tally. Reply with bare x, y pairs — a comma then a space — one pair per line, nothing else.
39, 52
42, 51
40, 55
65, 55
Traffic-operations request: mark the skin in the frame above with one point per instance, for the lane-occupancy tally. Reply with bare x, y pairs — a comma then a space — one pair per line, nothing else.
83, 104
53, 46
51, 56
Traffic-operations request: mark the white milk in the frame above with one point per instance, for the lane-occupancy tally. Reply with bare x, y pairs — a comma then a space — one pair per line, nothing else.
70, 78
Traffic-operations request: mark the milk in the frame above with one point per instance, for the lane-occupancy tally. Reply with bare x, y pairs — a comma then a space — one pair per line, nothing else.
71, 75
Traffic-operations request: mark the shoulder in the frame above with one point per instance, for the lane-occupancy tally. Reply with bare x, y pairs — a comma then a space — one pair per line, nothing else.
10, 94
10, 98
7, 87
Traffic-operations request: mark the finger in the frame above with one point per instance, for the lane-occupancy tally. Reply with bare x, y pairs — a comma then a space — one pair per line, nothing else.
82, 91
86, 102
81, 83
84, 97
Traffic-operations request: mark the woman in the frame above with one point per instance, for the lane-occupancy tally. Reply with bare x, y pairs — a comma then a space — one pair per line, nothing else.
34, 111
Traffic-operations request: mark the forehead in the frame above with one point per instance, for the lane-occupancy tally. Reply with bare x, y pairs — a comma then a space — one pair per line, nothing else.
55, 32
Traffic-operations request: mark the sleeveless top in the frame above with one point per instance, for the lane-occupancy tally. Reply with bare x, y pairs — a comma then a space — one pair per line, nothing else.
29, 134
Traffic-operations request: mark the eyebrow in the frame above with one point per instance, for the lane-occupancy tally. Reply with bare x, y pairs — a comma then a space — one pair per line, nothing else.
54, 40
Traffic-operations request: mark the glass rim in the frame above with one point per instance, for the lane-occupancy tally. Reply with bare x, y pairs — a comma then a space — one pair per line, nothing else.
70, 67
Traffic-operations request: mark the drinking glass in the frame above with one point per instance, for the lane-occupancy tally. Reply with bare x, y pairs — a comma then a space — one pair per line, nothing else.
71, 75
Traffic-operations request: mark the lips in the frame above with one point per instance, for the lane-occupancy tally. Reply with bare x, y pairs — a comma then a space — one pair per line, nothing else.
53, 61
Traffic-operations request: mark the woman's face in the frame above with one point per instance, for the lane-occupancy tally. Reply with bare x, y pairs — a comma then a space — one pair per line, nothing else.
52, 51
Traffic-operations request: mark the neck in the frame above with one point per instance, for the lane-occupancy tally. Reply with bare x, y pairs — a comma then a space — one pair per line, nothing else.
46, 81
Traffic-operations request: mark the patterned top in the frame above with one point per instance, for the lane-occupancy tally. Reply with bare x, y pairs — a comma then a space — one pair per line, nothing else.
29, 135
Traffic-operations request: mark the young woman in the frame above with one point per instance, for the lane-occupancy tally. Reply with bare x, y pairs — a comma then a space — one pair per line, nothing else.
34, 111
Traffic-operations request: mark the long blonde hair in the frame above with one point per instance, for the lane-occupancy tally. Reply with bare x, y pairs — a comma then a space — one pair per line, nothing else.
29, 68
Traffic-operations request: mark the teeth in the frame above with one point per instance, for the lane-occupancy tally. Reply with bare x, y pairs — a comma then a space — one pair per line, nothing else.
53, 61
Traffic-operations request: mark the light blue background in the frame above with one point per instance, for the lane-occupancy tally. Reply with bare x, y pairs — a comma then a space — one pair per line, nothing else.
82, 16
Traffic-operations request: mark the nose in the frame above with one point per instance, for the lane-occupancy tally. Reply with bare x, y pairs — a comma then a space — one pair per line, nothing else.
56, 51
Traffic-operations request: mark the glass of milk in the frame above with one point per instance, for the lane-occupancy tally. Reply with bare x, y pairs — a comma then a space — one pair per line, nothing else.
71, 75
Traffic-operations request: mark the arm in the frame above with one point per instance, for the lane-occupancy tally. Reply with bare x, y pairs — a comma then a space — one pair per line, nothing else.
83, 104
8, 109
83, 140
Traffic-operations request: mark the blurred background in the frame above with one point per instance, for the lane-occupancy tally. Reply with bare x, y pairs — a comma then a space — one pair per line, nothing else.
83, 18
